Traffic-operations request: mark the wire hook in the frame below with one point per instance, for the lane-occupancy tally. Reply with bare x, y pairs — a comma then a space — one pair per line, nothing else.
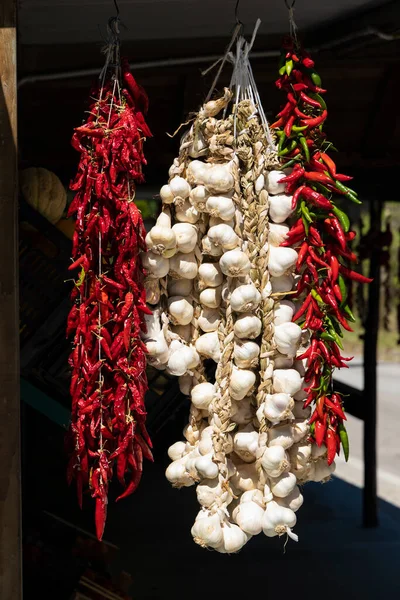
116, 7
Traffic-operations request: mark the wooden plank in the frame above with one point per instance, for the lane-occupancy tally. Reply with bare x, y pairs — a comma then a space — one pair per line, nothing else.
370, 500
10, 485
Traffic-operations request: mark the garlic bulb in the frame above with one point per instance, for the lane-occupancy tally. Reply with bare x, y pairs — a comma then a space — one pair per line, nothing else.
152, 287
197, 171
242, 412
287, 381
245, 478
161, 240
318, 451
241, 382
287, 337
202, 395
210, 274
282, 284
186, 213
282, 362
274, 461
281, 435
294, 500
211, 297
177, 450
207, 247
180, 310
166, 195
184, 332
206, 467
221, 206
209, 320
179, 287
278, 520
207, 345
217, 221
281, 260
272, 182
245, 444
277, 233
183, 265
186, 237
299, 412
234, 539
185, 384
235, 263
207, 530
253, 496
247, 326
198, 197
283, 312
223, 236
179, 187
283, 485
301, 453
177, 475
278, 407
157, 349
156, 266
246, 354
280, 208
301, 429
245, 298
323, 471
213, 491
182, 358
205, 445
249, 517
219, 179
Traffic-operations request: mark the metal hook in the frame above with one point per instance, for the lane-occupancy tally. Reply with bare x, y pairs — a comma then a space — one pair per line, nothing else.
290, 6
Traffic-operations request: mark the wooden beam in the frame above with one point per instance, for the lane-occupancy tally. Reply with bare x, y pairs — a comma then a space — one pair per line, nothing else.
370, 500
10, 485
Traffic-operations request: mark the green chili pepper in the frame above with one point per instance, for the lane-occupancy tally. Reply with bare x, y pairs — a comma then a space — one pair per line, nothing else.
350, 315
344, 438
289, 66
296, 128
350, 194
334, 325
306, 150
343, 289
282, 70
337, 338
290, 163
342, 218
319, 99
279, 132
316, 79
305, 211
312, 428
81, 278
317, 297
322, 188
306, 224
289, 148
328, 337
282, 140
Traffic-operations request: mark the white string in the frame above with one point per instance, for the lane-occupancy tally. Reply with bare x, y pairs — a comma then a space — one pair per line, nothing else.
222, 60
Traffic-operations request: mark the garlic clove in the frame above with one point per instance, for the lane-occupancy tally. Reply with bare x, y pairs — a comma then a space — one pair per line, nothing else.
245, 478
186, 213
177, 450
234, 539
198, 197
294, 500
274, 461
209, 248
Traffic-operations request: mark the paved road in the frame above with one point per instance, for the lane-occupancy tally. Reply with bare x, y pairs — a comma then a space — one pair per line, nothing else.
388, 432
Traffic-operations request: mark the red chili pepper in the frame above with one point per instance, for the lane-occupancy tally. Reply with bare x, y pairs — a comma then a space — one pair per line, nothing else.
312, 269
316, 120
354, 275
331, 445
336, 409
320, 407
334, 263
309, 100
337, 292
315, 234
329, 163
308, 63
317, 259
320, 429
317, 176
297, 195
315, 198
302, 255
303, 308
288, 127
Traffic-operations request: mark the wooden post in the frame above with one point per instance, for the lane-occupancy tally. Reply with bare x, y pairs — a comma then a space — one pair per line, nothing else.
370, 504
10, 488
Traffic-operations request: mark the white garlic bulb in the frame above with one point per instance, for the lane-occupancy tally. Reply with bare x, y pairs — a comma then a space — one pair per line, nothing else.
207, 530
177, 475
223, 236
186, 237
209, 320
197, 172
283, 485
282, 362
235, 263
185, 384
246, 477
155, 265
202, 395
272, 182
245, 354
213, 491
206, 467
181, 359
318, 451
166, 194
247, 326
161, 240
277, 407
179, 187
208, 345
183, 265
234, 539
219, 179
278, 520
301, 429
211, 297
293, 501
287, 381
253, 496
274, 461
280, 208
283, 312
210, 274
198, 197
180, 287
245, 298
221, 207
249, 517
301, 453
281, 435
280, 260
177, 450
277, 233
180, 310
242, 412
157, 350
287, 337
241, 383
245, 444
323, 471
153, 292
186, 213
282, 284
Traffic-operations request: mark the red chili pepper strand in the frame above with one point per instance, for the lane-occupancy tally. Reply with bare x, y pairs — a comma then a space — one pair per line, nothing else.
319, 270
110, 317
